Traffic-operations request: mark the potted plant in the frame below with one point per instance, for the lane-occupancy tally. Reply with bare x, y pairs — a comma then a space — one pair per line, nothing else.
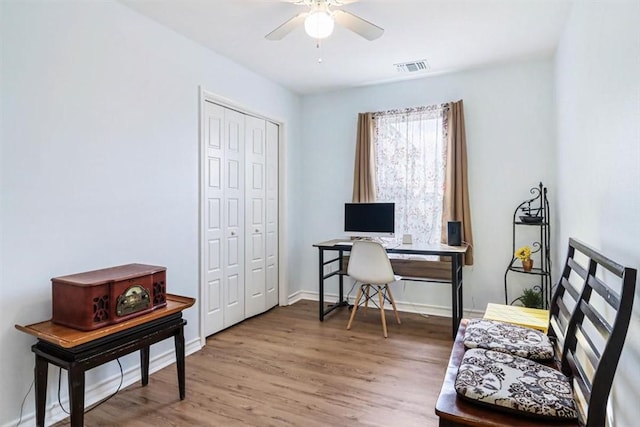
524, 255
531, 298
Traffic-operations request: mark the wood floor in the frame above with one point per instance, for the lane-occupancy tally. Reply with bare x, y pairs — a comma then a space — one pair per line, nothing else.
285, 368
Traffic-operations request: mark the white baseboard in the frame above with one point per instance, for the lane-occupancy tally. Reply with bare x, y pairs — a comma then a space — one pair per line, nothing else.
96, 392
405, 306
299, 296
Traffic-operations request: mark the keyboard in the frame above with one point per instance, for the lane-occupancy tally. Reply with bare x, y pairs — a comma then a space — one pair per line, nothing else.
384, 245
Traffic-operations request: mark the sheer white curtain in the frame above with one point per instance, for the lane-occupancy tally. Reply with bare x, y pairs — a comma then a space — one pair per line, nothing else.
410, 158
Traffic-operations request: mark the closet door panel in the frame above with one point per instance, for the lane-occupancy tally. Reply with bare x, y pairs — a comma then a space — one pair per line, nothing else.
213, 135
213, 301
234, 274
271, 214
255, 301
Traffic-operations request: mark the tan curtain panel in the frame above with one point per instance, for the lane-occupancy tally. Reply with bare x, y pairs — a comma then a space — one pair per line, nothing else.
456, 190
364, 176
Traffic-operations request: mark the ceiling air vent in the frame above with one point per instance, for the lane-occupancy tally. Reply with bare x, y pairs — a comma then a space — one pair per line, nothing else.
412, 67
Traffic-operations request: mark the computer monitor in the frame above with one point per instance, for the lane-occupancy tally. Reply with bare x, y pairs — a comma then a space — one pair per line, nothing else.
369, 219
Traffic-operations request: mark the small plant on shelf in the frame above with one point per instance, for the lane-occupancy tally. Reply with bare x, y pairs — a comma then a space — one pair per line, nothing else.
530, 298
524, 255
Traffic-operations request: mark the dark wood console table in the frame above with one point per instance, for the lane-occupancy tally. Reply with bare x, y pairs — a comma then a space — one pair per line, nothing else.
78, 351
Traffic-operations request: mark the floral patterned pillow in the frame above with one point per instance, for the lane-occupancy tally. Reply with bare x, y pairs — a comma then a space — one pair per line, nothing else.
514, 383
508, 338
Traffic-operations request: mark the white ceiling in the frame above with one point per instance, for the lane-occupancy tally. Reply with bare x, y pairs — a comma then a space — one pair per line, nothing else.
451, 35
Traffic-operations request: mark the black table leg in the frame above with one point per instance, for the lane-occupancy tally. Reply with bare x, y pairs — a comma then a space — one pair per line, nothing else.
76, 395
179, 341
144, 365
456, 293
460, 285
321, 283
340, 278
41, 372
454, 296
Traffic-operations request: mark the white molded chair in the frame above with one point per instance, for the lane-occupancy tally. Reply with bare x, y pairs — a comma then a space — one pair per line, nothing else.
369, 265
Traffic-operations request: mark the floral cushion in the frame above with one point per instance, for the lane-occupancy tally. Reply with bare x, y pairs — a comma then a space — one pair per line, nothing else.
514, 383
508, 338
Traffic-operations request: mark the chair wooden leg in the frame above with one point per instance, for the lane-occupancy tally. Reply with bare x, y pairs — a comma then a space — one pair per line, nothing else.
384, 320
355, 307
393, 304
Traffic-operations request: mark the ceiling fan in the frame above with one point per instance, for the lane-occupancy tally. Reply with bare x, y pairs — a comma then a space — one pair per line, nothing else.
319, 21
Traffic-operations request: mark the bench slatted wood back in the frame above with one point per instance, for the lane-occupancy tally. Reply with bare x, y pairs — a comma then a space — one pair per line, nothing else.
596, 330
565, 300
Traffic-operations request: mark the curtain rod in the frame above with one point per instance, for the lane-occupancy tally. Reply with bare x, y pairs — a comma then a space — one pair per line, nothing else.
401, 111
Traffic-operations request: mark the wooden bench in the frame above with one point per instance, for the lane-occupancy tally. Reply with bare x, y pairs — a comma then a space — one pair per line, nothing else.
575, 330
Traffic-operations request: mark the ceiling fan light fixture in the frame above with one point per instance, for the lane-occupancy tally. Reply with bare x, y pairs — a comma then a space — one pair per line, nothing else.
319, 24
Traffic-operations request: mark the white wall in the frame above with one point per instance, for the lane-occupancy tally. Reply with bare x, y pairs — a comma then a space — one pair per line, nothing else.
598, 116
100, 159
510, 131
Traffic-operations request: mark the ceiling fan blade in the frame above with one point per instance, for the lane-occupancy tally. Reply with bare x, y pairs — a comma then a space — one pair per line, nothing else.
287, 27
358, 25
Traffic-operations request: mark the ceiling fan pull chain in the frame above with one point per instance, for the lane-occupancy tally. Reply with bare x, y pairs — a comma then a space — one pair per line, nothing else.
319, 51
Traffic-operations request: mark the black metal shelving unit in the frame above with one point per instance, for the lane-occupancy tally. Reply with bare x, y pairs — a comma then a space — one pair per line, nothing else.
533, 212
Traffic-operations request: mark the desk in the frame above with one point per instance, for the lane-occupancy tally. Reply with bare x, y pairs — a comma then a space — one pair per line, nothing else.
78, 351
453, 252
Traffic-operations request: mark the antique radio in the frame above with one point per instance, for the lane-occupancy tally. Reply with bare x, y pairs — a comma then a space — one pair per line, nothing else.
94, 299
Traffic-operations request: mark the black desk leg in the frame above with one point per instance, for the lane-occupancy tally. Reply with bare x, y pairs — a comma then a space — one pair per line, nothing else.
460, 288
456, 292
341, 300
144, 365
76, 395
321, 283
179, 341
41, 372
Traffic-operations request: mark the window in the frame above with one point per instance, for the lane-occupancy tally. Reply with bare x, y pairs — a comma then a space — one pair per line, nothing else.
410, 159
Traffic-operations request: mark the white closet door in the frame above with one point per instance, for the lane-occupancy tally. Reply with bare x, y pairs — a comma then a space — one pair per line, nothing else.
255, 289
224, 218
233, 234
240, 209
213, 135
272, 215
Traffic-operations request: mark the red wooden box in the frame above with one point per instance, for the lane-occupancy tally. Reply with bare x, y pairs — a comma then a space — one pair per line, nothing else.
98, 298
